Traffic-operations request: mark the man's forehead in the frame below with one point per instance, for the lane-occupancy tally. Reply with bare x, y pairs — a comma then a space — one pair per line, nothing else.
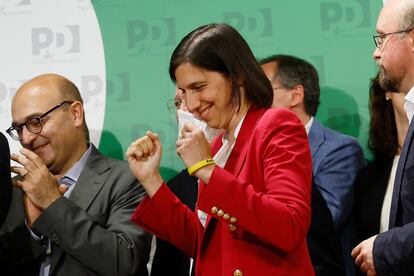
390, 16
270, 69
27, 104
385, 24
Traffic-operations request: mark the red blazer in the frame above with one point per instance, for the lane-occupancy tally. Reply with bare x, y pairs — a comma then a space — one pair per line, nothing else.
258, 206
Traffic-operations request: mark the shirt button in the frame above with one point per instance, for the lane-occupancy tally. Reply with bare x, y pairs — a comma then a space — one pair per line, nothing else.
55, 239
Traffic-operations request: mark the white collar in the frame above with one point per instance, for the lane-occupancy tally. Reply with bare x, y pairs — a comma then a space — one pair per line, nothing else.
308, 125
409, 104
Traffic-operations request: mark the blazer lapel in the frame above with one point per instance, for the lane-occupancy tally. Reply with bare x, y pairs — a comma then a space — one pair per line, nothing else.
239, 153
316, 137
90, 182
399, 175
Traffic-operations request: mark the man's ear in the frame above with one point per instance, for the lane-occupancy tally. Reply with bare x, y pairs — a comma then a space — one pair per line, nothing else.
411, 34
77, 113
298, 95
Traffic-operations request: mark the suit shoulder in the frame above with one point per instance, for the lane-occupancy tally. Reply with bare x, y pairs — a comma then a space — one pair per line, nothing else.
3, 138
119, 169
278, 117
116, 162
336, 138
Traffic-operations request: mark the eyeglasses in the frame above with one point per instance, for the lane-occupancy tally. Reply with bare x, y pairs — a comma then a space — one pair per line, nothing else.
174, 104
34, 124
379, 39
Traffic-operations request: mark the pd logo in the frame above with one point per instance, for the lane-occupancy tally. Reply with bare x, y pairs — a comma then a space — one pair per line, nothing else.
7, 91
50, 43
140, 129
5, 4
259, 23
14, 6
345, 15
144, 36
119, 87
92, 87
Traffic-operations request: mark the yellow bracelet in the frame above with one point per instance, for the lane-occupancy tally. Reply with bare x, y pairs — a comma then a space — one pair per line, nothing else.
199, 165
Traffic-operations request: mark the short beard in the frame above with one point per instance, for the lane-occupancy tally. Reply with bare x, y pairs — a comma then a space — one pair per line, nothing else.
388, 84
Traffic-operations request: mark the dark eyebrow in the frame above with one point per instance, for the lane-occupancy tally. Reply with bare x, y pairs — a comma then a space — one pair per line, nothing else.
198, 83
194, 85
27, 118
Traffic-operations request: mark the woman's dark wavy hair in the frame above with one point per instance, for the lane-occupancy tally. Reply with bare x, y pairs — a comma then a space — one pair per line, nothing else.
383, 138
220, 48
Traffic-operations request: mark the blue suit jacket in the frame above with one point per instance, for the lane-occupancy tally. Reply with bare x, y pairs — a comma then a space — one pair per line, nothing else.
394, 249
336, 160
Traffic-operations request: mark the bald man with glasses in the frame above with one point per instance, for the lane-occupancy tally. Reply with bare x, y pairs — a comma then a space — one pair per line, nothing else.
71, 206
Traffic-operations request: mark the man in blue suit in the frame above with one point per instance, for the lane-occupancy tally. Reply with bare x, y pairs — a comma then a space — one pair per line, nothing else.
392, 252
336, 158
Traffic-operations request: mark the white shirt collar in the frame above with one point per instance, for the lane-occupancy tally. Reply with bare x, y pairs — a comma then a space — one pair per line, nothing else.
409, 104
308, 125
76, 170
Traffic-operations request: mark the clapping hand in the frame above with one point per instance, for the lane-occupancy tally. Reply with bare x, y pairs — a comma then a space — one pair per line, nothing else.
144, 157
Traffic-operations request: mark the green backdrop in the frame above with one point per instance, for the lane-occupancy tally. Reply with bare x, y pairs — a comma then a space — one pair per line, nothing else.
139, 36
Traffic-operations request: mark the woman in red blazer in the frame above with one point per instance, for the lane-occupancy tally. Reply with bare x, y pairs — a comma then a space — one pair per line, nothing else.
253, 207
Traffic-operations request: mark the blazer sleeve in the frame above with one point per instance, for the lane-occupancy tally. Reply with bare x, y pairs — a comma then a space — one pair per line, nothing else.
105, 242
393, 251
336, 177
271, 198
19, 252
168, 218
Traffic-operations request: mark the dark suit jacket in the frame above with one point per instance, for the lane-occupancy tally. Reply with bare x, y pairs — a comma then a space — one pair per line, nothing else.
323, 241
168, 259
336, 161
370, 186
5, 178
91, 232
394, 249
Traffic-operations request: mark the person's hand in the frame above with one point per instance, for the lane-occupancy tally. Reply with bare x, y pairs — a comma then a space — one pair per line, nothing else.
144, 157
363, 256
31, 211
38, 184
193, 147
